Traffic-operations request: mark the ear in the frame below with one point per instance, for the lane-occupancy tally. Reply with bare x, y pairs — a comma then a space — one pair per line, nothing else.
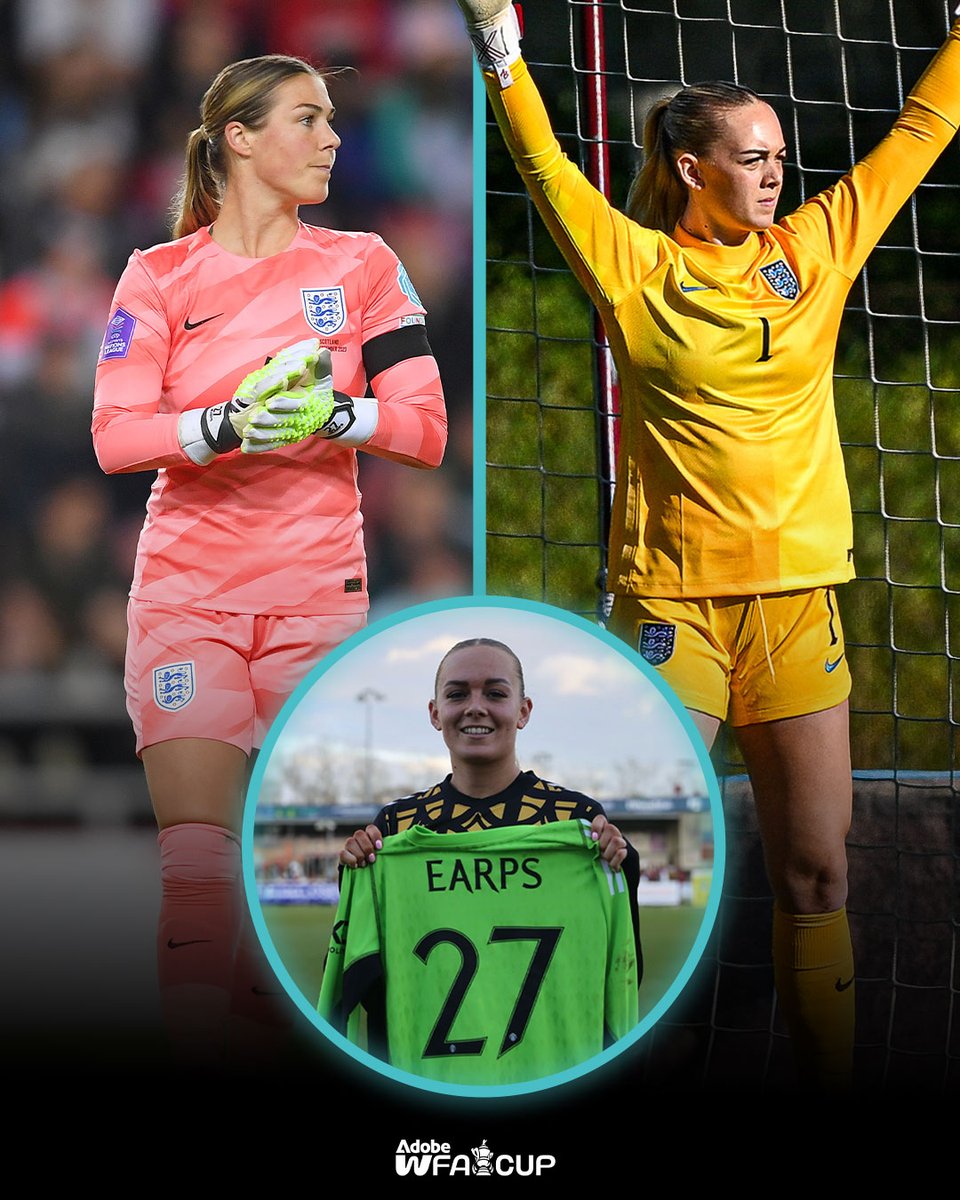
434, 716
688, 168
237, 137
525, 709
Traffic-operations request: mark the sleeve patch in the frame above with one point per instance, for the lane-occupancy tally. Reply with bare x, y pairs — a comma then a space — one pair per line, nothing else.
119, 335
406, 286
412, 319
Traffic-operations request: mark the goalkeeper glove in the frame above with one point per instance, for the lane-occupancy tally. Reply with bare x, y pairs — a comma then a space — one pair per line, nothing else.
313, 407
289, 415
205, 433
495, 32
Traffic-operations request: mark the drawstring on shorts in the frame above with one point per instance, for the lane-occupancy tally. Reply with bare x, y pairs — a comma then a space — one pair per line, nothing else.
766, 639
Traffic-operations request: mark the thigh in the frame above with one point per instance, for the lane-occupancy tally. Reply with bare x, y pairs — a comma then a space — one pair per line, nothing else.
800, 771
187, 675
285, 650
196, 780
681, 639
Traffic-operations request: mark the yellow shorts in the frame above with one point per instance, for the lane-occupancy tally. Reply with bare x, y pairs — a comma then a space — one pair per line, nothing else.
752, 658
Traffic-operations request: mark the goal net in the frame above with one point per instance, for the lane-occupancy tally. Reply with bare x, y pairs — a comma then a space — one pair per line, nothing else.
836, 74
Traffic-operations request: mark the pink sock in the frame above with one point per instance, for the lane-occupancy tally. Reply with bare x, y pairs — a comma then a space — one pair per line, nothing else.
261, 1012
200, 914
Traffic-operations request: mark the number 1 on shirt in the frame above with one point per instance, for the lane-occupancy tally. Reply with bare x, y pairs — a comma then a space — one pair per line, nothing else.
765, 351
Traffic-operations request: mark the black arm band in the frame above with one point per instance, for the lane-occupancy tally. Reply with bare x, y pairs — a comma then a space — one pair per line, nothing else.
388, 349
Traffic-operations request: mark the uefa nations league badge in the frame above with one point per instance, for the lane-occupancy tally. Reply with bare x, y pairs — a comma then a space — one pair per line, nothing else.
119, 335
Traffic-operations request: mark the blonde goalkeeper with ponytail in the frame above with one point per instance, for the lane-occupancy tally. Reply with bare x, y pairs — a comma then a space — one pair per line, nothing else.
218, 371
731, 521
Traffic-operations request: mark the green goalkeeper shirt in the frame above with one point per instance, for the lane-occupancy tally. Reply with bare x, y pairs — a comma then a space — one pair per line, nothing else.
507, 954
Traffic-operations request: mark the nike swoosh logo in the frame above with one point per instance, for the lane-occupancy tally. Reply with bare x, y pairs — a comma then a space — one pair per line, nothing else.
841, 986
695, 287
188, 324
172, 945
829, 666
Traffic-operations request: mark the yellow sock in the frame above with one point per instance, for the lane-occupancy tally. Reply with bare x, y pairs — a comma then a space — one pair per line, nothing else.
813, 972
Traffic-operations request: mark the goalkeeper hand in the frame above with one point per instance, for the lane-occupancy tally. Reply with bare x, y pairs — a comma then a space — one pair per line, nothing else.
495, 32
292, 414
207, 432
482, 13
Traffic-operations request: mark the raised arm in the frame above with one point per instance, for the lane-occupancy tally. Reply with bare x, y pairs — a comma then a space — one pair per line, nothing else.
608, 253
846, 221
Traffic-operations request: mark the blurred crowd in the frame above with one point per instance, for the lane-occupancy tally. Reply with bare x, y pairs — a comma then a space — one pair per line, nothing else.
96, 99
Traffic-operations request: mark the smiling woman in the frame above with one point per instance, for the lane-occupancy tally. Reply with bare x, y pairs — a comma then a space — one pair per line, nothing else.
479, 706
236, 364
493, 813
479, 715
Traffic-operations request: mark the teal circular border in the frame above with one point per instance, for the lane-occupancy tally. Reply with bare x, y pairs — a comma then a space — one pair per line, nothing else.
706, 925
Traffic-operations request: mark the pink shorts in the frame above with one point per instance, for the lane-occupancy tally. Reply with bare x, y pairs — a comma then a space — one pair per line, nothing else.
193, 673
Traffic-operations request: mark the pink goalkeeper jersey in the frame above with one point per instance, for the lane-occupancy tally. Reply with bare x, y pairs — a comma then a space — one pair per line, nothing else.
278, 532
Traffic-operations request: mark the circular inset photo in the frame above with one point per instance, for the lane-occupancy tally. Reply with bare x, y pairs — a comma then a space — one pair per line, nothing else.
483, 847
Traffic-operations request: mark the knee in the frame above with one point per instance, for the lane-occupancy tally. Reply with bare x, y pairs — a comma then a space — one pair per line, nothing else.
195, 855
807, 886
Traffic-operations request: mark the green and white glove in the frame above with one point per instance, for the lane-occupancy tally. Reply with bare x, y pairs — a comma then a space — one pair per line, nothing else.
495, 33
290, 415
205, 433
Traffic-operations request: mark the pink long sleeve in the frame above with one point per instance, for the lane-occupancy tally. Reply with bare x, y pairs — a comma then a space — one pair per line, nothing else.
412, 426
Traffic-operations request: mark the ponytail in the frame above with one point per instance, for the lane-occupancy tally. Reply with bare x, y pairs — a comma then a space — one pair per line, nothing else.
686, 122
657, 197
198, 201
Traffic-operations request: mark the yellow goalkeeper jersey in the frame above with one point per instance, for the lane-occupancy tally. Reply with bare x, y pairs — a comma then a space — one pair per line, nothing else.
730, 478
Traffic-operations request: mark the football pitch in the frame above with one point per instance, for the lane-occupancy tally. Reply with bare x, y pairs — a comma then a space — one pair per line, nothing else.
300, 933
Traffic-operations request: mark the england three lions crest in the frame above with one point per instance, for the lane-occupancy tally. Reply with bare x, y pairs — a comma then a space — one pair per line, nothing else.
782, 279
657, 641
325, 309
174, 685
